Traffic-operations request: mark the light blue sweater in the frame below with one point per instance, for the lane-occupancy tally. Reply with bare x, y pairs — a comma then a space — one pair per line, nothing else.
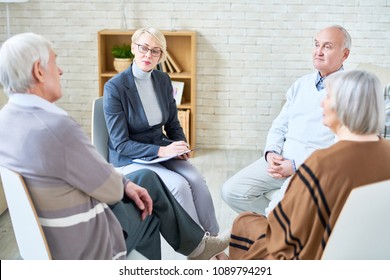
298, 129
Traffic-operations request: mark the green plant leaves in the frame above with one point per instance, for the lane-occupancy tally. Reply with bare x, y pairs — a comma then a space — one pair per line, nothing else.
122, 51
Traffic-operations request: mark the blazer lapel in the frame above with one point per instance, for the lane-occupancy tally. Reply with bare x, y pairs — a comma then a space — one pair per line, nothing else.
133, 99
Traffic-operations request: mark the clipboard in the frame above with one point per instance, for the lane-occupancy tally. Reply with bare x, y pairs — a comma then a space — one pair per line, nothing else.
161, 159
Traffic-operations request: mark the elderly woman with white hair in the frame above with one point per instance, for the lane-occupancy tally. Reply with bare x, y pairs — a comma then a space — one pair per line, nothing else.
300, 225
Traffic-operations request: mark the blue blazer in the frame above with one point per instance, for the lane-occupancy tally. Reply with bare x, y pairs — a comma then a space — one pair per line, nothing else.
130, 135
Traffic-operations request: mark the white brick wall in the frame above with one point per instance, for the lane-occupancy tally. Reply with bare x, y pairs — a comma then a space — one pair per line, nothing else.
249, 52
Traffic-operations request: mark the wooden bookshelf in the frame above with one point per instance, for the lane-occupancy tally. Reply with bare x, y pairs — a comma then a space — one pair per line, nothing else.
181, 45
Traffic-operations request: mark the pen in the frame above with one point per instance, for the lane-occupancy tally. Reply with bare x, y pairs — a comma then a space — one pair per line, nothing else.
168, 140
171, 141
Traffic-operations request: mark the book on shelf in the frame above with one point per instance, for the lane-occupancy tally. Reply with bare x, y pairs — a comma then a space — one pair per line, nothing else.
178, 88
174, 63
164, 67
169, 66
184, 119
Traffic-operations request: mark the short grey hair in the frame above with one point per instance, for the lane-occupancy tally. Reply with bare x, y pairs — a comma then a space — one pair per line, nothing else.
358, 100
17, 57
157, 35
347, 36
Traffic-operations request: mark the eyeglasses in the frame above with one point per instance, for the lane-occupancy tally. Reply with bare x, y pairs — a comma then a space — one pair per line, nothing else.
144, 49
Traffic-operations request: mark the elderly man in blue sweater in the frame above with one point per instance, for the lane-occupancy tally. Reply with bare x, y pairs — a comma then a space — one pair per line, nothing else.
295, 133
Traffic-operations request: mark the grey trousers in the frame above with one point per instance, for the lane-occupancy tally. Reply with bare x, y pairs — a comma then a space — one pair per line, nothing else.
189, 188
168, 218
251, 188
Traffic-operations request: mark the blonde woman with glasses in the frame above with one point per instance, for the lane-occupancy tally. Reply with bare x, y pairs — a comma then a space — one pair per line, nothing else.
141, 117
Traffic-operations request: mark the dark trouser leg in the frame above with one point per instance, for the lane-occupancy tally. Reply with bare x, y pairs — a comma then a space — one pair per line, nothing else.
144, 236
177, 227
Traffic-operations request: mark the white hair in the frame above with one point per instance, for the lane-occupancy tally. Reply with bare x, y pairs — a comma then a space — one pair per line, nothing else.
358, 100
347, 36
17, 57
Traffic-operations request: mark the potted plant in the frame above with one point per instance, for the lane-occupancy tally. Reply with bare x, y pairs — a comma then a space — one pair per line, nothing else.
122, 57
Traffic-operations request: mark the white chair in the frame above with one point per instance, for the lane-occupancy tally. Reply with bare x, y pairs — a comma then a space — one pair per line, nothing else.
28, 231
99, 132
362, 229
99, 137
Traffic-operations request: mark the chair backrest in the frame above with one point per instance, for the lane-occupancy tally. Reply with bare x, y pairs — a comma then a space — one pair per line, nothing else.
28, 231
99, 132
362, 229
99, 137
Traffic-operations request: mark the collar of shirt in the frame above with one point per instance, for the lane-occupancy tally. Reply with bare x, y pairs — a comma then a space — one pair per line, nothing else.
320, 80
32, 100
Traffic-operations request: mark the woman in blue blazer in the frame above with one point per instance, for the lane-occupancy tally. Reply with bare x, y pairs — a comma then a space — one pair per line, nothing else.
138, 107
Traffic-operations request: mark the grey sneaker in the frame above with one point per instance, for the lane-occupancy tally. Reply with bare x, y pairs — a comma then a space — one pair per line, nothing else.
213, 245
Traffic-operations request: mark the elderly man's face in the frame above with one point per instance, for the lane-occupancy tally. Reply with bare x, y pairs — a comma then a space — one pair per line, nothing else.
329, 52
51, 84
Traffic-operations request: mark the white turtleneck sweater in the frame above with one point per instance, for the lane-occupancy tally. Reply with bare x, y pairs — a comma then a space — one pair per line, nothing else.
147, 93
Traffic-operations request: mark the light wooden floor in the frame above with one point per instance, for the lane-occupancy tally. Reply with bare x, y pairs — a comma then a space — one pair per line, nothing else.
216, 165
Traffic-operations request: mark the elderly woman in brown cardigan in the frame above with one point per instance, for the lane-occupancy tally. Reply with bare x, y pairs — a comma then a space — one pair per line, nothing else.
300, 225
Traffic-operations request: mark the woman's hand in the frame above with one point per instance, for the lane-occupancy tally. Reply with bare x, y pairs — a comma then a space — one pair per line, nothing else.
141, 198
174, 149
